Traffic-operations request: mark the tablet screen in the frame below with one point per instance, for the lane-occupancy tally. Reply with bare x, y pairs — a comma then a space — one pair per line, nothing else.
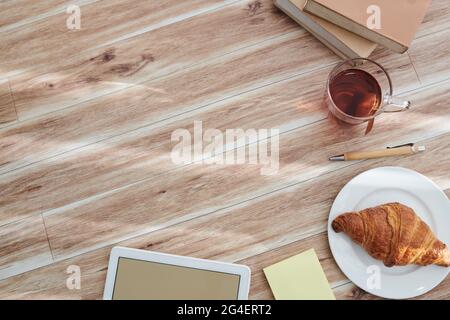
144, 280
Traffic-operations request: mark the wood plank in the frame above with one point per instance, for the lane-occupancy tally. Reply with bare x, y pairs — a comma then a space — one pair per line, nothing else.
72, 177
133, 61
50, 282
436, 19
193, 191
159, 99
15, 11
430, 56
120, 161
24, 247
25, 48
75, 176
282, 221
162, 98
7, 108
22, 12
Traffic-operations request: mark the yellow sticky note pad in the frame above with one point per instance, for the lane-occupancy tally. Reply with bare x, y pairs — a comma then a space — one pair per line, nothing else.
300, 277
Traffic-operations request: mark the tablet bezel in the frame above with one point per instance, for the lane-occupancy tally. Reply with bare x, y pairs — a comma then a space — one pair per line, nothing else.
188, 262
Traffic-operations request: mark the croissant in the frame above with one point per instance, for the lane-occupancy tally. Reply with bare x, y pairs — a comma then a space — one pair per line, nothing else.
394, 234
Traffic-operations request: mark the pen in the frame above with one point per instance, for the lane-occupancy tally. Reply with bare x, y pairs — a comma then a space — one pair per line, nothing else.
402, 150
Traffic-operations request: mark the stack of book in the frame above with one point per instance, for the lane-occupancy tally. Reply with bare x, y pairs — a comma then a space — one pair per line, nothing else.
353, 28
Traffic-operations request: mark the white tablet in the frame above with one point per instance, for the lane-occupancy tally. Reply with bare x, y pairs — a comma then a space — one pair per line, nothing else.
144, 275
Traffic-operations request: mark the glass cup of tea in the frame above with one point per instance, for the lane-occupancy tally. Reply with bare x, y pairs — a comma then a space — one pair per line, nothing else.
360, 89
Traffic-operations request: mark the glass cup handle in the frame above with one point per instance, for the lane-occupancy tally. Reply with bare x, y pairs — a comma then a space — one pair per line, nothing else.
393, 104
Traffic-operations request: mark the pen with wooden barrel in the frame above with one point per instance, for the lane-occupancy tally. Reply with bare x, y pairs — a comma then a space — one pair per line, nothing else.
402, 150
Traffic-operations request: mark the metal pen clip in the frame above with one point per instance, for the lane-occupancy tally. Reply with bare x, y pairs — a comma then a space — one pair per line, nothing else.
414, 148
401, 145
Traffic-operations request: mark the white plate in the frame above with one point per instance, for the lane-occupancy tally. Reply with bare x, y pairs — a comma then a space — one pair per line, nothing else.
375, 187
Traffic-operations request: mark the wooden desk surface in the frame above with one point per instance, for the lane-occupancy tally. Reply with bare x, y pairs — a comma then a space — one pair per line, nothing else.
86, 118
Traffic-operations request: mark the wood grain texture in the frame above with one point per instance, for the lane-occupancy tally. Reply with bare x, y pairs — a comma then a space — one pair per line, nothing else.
138, 59
7, 108
78, 79
20, 12
46, 41
436, 19
194, 189
430, 56
149, 102
166, 97
259, 232
86, 165
23, 247
145, 153
59, 181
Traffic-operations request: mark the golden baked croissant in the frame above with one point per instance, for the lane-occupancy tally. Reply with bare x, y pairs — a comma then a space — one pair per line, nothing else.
393, 233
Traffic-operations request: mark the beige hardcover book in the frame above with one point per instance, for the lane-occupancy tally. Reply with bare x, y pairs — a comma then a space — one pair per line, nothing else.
391, 23
345, 44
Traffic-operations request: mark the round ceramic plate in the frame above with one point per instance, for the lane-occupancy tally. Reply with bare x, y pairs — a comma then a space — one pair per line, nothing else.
375, 187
